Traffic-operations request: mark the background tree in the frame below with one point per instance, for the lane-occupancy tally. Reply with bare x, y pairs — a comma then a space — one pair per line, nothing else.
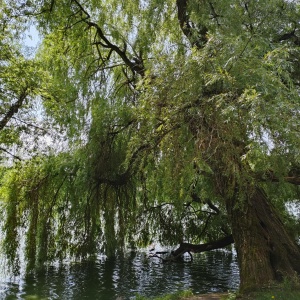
24, 85
183, 119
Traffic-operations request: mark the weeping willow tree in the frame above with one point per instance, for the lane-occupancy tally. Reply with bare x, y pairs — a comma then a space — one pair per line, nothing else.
181, 123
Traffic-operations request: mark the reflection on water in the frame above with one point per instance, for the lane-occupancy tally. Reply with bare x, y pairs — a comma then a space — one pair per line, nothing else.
135, 273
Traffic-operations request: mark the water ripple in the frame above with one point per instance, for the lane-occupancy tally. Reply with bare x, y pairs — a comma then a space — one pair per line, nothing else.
215, 271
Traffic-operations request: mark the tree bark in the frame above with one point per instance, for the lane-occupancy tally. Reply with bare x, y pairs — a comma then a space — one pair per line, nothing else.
266, 252
197, 37
187, 247
14, 108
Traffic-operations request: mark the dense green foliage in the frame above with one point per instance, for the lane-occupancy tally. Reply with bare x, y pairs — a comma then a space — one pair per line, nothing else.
25, 87
162, 112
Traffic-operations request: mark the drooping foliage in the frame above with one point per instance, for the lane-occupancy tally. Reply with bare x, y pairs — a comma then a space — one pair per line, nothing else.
180, 116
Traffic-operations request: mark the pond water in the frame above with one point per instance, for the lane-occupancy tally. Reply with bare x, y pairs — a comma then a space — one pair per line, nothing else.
125, 277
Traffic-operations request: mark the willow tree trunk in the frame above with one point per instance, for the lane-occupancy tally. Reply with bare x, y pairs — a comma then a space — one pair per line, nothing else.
266, 252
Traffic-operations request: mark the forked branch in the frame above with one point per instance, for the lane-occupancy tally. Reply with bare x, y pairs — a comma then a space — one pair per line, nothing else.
136, 64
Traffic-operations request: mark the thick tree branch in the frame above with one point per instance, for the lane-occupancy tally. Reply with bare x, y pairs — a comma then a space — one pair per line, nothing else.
196, 36
197, 199
213, 13
14, 156
13, 109
136, 65
30, 124
293, 178
133, 65
290, 36
187, 247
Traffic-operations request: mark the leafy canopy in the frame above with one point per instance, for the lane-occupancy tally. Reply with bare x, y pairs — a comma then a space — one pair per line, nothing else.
154, 99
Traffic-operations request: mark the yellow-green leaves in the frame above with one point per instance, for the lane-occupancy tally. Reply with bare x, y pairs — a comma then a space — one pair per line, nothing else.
155, 101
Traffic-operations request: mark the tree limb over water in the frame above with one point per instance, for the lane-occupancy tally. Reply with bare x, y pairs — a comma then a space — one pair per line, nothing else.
196, 248
187, 247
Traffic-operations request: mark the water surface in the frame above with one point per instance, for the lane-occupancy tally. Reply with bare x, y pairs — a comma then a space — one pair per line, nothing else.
125, 277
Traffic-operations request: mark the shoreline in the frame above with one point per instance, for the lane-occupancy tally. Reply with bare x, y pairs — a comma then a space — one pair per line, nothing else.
209, 296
